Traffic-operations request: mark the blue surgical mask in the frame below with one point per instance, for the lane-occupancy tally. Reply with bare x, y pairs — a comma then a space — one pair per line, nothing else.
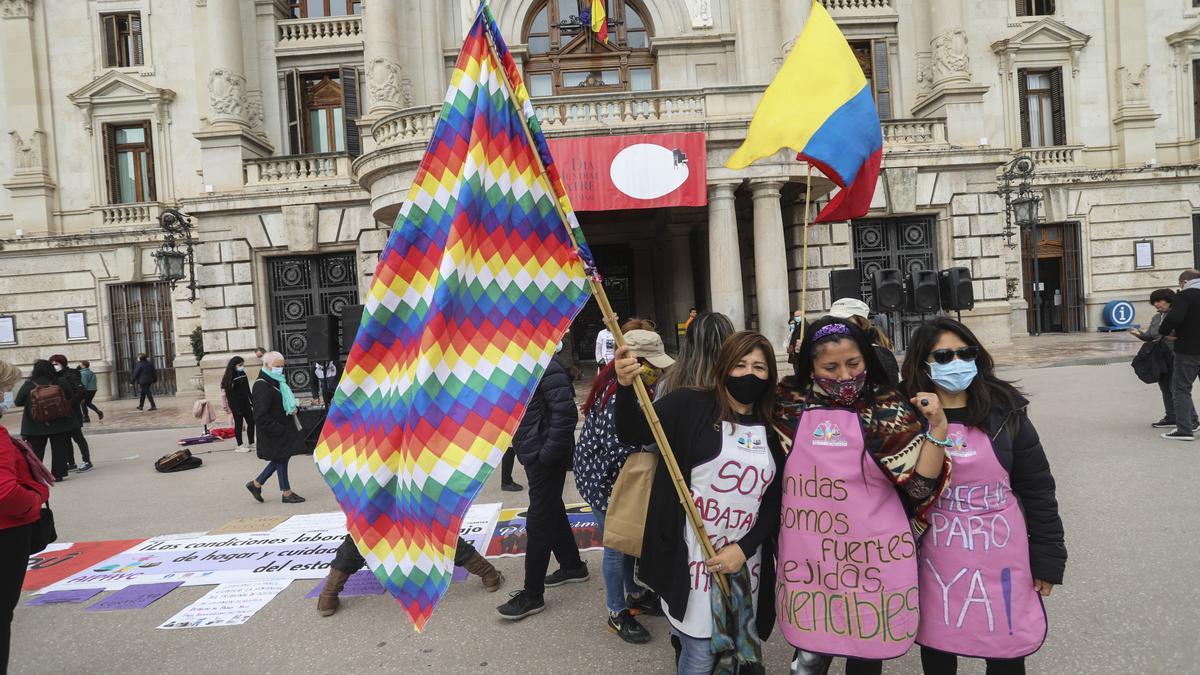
277, 370
7, 402
953, 377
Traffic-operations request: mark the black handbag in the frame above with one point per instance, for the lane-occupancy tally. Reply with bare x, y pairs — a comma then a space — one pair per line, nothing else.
44, 533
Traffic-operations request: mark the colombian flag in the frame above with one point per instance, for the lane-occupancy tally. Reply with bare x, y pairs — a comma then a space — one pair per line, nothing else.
820, 105
599, 20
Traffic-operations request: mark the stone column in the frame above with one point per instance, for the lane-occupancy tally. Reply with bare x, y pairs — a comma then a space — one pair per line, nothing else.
724, 259
954, 95
31, 187
770, 263
793, 14
390, 90
226, 64
949, 44
1135, 118
434, 63
757, 40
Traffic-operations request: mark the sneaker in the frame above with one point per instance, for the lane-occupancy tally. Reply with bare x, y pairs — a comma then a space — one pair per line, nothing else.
646, 604
256, 492
242, 448
293, 499
566, 576
86, 466
1164, 423
521, 605
510, 486
140, 408
627, 628
1176, 436
251, 446
72, 467
99, 415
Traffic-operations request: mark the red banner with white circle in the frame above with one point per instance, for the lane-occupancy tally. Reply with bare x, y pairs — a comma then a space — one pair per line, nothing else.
607, 173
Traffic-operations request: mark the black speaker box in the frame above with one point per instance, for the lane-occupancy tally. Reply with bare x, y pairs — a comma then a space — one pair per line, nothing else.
923, 293
322, 337
957, 291
887, 290
351, 317
845, 284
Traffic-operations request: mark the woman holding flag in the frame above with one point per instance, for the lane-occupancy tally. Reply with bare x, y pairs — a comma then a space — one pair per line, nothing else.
730, 462
847, 552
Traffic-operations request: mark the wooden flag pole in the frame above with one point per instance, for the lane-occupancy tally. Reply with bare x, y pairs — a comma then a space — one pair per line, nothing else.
610, 320
804, 232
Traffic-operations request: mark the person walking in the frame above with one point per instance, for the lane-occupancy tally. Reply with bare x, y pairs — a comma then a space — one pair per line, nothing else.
47, 418
88, 378
235, 386
349, 560
325, 381
1183, 320
730, 462
144, 376
599, 457
279, 437
997, 455
857, 312
78, 394
863, 458
24, 487
1161, 299
545, 443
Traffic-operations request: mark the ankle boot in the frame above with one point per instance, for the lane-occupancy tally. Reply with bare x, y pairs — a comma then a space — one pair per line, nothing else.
480, 567
327, 601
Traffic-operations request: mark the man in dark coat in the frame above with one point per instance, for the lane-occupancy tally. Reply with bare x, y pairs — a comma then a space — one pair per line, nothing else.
1184, 321
77, 395
545, 443
144, 376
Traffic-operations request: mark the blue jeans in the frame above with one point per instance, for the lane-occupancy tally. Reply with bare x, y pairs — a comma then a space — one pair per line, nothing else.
618, 574
277, 466
696, 656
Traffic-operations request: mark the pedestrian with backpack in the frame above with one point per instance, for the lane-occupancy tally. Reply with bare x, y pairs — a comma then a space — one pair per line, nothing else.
76, 400
47, 418
144, 376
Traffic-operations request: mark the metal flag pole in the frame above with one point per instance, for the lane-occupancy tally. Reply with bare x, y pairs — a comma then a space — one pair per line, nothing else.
804, 232
610, 320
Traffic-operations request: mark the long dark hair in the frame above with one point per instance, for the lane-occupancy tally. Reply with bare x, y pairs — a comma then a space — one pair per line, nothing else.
694, 368
986, 393
231, 372
876, 375
43, 370
737, 346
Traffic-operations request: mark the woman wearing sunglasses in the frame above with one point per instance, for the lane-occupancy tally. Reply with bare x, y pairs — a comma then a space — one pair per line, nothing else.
995, 542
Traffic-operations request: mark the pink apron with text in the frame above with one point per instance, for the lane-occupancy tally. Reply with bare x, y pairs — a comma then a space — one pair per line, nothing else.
846, 583
977, 594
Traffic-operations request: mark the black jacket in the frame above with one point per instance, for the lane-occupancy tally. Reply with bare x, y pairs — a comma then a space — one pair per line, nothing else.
64, 424
144, 374
1020, 452
689, 419
1184, 321
547, 431
888, 360
238, 395
278, 437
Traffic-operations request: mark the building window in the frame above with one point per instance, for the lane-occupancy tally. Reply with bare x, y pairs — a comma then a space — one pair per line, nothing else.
122, 39
311, 9
323, 109
1043, 119
129, 159
872, 57
1035, 7
565, 56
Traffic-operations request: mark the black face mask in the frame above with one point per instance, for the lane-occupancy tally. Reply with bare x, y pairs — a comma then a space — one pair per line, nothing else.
747, 389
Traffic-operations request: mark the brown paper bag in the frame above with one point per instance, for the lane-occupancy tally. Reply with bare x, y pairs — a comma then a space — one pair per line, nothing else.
625, 522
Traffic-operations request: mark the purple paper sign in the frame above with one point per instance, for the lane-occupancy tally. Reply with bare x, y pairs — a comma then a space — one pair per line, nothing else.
134, 597
65, 597
359, 583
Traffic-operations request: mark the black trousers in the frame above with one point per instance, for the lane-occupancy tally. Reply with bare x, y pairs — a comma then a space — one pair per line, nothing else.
88, 405
935, 662
146, 394
547, 527
84, 452
15, 543
506, 465
238, 420
349, 560
60, 451
1164, 387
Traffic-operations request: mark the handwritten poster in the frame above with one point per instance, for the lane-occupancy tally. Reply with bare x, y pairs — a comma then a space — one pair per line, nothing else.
228, 604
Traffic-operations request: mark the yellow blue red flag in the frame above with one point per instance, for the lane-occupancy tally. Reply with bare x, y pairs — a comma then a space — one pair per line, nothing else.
600, 20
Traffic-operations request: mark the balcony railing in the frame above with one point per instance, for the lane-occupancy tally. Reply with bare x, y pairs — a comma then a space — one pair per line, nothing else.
276, 171
858, 7
321, 32
908, 134
1056, 158
142, 213
567, 112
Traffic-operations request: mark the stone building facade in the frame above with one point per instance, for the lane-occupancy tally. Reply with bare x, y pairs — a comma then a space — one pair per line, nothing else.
291, 129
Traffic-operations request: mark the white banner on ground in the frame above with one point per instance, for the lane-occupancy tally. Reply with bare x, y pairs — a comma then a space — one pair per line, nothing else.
228, 604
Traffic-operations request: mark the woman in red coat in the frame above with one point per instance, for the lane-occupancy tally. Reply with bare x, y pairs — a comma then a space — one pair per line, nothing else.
21, 497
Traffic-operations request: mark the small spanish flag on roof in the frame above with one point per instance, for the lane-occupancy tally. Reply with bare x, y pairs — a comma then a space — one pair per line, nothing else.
600, 20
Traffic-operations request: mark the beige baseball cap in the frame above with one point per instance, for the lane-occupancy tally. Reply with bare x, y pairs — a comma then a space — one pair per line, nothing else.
648, 345
845, 308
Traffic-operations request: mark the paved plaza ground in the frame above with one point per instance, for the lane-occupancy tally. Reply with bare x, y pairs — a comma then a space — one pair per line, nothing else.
1130, 603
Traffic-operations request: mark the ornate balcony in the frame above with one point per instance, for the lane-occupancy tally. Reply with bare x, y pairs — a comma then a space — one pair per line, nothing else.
123, 215
859, 8
275, 172
320, 33
915, 134
1056, 158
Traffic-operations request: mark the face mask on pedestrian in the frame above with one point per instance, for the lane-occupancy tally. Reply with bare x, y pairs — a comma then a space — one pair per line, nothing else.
746, 389
953, 377
650, 374
843, 391
276, 370
58, 367
240, 369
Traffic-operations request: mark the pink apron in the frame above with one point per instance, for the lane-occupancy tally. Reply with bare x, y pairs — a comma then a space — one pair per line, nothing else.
977, 594
847, 578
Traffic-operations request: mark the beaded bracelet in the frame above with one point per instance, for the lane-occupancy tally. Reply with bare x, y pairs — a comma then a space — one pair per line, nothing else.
945, 444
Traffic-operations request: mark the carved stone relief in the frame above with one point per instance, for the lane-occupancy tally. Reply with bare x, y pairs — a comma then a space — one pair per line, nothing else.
386, 81
1133, 84
27, 154
950, 54
924, 71
16, 9
254, 112
226, 92
701, 13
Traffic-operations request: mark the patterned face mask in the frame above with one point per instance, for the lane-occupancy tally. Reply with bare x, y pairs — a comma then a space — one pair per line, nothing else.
650, 374
843, 391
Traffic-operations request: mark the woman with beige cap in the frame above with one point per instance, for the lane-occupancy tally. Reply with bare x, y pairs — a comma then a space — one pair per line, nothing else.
857, 312
599, 457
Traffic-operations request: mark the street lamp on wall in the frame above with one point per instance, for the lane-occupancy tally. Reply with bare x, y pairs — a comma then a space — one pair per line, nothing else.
1021, 210
173, 263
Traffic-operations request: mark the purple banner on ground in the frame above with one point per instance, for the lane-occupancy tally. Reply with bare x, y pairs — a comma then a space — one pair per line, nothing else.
134, 597
65, 597
359, 583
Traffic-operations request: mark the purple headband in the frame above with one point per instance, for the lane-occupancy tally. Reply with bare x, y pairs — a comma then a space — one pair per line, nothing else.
831, 329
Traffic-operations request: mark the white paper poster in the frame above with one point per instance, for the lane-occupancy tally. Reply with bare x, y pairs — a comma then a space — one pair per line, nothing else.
8, 330
76, 326
228, 604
